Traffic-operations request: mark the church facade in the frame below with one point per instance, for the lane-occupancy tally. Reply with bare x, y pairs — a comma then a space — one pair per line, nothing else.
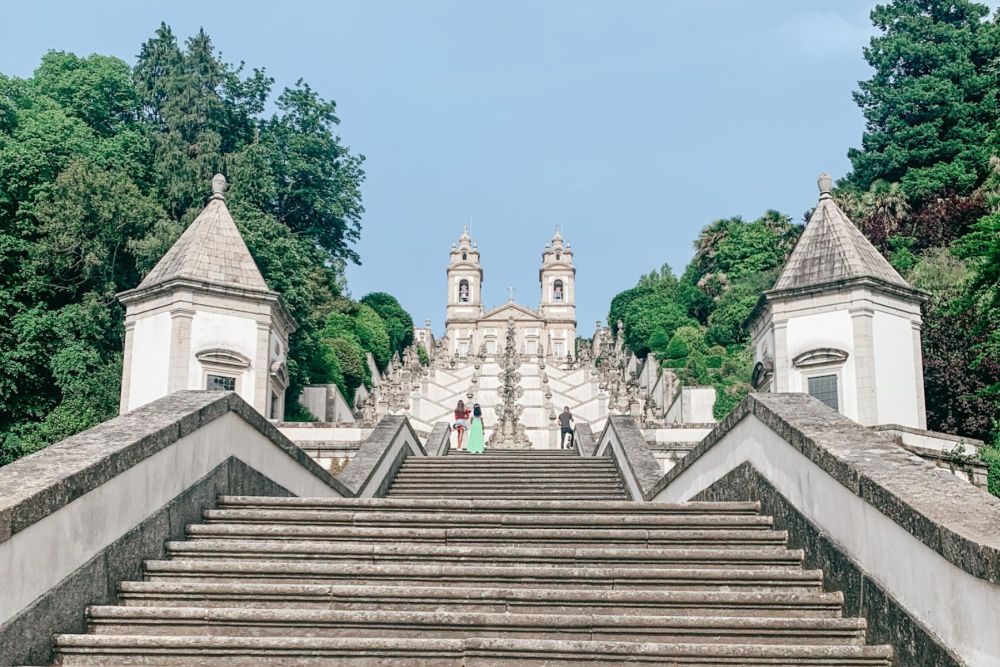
550, 330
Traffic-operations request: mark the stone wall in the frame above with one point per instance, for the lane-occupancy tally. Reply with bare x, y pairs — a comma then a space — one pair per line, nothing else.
915, 549
81, 515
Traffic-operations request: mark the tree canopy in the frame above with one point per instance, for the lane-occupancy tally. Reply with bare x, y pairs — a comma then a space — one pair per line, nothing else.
104, 165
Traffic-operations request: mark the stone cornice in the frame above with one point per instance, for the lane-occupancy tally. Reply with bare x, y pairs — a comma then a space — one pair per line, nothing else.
875, 285
129, 297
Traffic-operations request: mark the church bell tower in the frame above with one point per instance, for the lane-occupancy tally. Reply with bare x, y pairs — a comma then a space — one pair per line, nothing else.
557, 279
465, 295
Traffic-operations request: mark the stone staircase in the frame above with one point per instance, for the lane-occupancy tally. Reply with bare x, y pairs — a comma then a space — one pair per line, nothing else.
547, 389
525, 474
504, 558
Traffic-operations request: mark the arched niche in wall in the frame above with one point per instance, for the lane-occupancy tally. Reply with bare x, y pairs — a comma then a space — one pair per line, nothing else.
558, 291
763, 371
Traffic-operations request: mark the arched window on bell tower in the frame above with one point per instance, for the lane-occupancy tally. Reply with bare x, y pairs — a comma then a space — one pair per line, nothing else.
465, 255
463, 291
557, 291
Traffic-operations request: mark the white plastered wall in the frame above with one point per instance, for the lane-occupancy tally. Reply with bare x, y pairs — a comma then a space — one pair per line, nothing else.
809, 332
150, 367
956, 606
239, 334
895, 375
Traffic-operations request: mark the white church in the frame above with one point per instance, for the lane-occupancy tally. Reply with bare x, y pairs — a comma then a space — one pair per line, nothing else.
471, 327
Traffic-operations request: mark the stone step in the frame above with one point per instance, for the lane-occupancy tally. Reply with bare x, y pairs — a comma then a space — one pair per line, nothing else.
568, 468
487, 481
384, 505
446, 574
264, 622
510, 488
472, 652
722, 539
344, 552
415, 519
473, 462
812, 604
525, 496
533, 475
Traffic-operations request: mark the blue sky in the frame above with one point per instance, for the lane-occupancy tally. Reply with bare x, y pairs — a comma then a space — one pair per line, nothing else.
631, 124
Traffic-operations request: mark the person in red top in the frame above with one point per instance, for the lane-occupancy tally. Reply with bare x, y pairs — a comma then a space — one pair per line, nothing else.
461, 421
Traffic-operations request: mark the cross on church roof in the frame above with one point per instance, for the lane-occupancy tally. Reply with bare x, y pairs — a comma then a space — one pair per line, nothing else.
510, 294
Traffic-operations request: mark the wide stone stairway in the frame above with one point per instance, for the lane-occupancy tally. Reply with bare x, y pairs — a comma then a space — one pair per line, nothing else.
512, 558
524, 474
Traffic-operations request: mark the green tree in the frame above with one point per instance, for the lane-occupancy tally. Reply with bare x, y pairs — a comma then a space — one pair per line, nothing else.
931, 105
649, 313
398, 322
103, 166
372, 334
622, 302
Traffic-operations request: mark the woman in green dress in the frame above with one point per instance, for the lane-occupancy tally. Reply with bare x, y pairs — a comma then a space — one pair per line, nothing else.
476, 444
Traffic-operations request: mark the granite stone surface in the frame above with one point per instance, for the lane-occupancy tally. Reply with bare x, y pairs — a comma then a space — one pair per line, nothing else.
37, 485
638, 462
949, 515
832, 249
212, 250
439, 441
888, 622
26, 639
584, 441
374, 451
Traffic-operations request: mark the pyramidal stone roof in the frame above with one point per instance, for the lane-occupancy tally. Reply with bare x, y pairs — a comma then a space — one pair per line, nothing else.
211, 250
832, 250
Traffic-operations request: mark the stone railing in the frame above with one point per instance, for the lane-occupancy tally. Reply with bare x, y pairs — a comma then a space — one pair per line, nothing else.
623, 442
584, 441
374, 467
915, 550
439, 441
81, 515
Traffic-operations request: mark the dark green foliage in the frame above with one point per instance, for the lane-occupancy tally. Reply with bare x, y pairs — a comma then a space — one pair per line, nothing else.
103, 165
621, 303
351, 361
991, 456
732, 250
931, 104
398, 322
901, 254
686, 341
725, 324
650, 313
372, 334
694, 325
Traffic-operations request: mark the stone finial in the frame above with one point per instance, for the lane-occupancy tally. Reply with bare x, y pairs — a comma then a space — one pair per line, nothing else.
218, 186
825, 183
